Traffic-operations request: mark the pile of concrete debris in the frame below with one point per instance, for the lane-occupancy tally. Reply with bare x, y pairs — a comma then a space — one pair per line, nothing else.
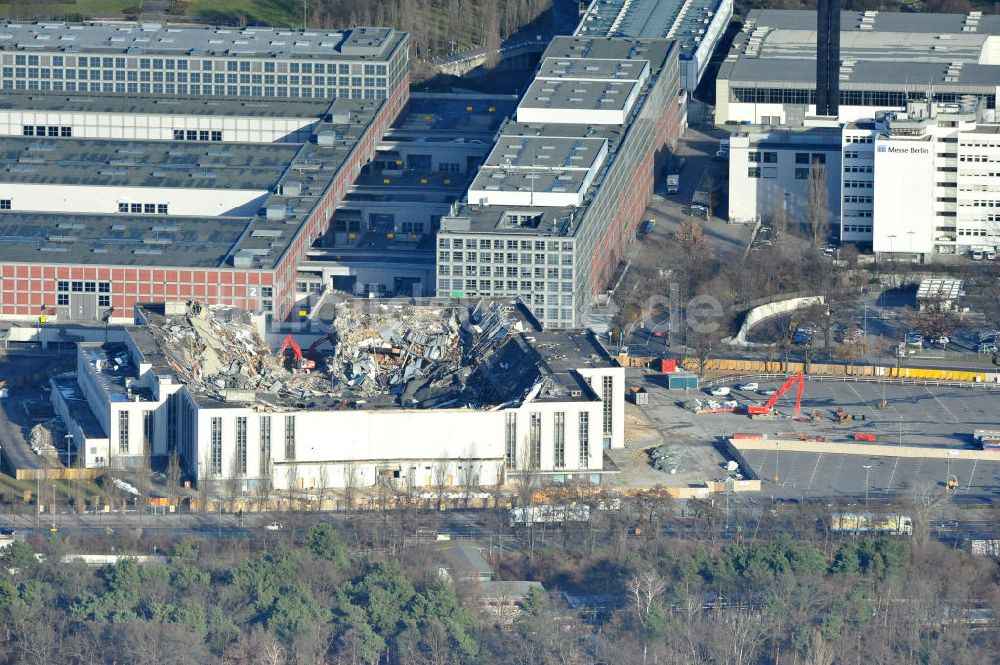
217, 351
383, 354
419, 355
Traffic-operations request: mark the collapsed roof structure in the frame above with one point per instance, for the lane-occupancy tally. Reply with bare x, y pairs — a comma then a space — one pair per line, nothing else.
384, 355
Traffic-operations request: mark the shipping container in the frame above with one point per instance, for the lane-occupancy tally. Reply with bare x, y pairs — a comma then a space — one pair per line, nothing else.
682, 381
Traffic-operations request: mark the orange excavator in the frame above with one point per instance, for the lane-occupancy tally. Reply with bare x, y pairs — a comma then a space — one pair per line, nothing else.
756, 410
300, 362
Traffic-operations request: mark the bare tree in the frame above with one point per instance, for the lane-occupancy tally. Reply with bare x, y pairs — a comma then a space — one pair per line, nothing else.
779, 215
322, 484
818, 204
352, 481
234, 483
292, 480
645, 589
264, 486
935, 319
442, 479
469, 479
174, 474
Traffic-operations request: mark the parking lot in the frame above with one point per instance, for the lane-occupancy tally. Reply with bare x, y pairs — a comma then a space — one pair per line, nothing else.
914, 415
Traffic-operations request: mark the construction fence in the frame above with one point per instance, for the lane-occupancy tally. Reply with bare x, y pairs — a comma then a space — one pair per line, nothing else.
729, 366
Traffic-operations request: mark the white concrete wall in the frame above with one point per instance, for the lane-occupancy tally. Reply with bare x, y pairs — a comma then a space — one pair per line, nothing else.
88, 199
756, 113
751, 199
526, 198
425, 447
160, 127
903, 219
576, 116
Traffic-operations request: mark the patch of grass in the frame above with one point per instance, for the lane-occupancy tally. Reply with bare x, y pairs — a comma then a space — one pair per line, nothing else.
286, 13
18, 9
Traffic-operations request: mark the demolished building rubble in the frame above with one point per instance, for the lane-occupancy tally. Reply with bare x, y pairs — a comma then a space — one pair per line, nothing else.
383, 355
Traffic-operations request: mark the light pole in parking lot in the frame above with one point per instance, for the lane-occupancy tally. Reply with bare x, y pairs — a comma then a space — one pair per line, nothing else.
866, 467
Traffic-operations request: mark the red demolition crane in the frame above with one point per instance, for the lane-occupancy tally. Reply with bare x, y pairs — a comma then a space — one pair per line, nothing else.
755, 410
300, 362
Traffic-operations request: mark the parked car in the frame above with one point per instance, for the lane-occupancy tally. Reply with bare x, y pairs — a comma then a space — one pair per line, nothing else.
659, 333
719, 391
943, 340
748, 387
914, 339
767, 392
275, 526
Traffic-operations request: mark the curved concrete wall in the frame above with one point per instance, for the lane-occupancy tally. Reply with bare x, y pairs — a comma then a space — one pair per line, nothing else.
770, 310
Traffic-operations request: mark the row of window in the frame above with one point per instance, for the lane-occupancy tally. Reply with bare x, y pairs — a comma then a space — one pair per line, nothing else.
858, 214
105, 62
762, 157
859, 139
879, 98
978, 158
47, 130
857, 184
980, 203
858, 168
239, 462
195, 89
499, 285
487, 271
980, 144
197, 135
537, 245
854, 154
534, 449
182, 77
857, 228
143, 208
509, 257
5, 204
979, 233
767, 172
810, 158
855, 198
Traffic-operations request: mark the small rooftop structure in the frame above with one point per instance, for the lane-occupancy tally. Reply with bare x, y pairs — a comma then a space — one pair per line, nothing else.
943, 291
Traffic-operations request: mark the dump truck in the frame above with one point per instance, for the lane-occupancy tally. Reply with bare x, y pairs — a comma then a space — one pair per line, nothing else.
549, 514
895, 525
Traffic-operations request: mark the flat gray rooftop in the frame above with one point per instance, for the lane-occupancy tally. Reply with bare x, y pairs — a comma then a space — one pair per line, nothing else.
594, 69
169, 40
649, 18
200, 106
104, 163
164, 240
574, 94
777, 48
127, 240
514, 151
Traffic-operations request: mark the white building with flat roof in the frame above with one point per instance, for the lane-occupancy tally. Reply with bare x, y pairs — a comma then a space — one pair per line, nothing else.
887, 60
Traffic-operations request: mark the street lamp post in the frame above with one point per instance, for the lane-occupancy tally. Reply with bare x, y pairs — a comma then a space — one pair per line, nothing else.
866, 467
69, 443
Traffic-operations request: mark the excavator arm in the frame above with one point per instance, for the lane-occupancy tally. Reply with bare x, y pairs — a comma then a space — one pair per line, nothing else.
785, 387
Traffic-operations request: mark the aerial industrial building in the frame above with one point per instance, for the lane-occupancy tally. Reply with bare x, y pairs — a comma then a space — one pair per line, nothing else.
886, 59
697, 28
549, 215
425, 395
124, 181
